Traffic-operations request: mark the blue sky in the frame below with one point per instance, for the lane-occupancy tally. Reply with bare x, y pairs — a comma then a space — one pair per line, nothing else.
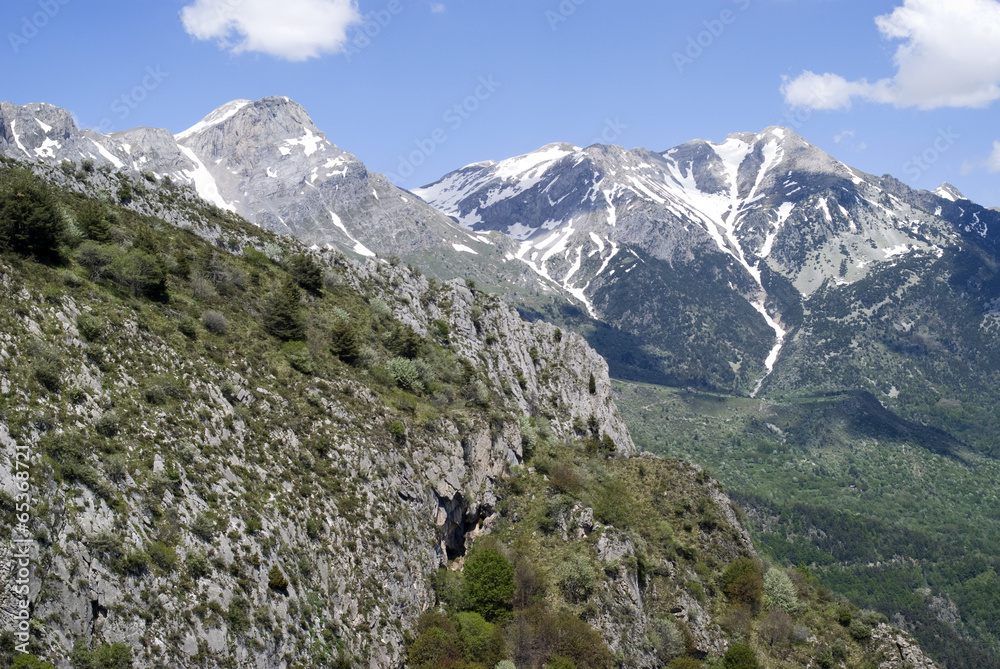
417, 88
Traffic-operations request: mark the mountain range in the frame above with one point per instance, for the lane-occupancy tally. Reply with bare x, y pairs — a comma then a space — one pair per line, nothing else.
755, 267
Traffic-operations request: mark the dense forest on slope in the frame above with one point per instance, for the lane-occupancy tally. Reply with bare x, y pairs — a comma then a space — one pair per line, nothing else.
899, 517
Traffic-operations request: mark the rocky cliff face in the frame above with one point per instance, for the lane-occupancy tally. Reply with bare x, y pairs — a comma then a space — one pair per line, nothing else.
172, 473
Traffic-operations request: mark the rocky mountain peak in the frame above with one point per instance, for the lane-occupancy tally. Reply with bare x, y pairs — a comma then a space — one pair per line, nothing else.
949, 192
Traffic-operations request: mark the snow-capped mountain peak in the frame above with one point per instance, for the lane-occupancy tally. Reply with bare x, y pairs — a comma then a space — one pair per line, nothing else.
948, 192
218, 116
265, 160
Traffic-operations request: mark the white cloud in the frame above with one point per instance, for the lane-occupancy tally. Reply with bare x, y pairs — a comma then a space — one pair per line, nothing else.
295, 30
842, 135
949, 58
437, 7
993, 162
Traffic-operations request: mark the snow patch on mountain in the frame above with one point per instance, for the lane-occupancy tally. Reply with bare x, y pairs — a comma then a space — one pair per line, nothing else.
203, 181
220, 115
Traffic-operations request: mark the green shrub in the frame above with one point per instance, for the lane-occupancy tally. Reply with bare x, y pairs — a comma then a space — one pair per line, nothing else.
684, 663
404, 341
779, 591
96, 258
162, 556
666, 640
562, 634
188, 327
93, 221
743, 583
435, 647
125, 193
255, 257
106, 546
306, 272
405, 373
298, 356
47, 368
30, 222
91, 327
282, 313
108, 424
215, 322
397, 430
859, 630
133, 563
740, 656
276, 580
592, 385
160, 389
481, 641
345, 340
29, 662
140, 273
197, 565
576, 577
105, 656
205, 525
441, 329
489, 584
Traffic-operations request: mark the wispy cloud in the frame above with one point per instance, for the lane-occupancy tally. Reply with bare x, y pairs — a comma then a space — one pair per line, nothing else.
438, 7
990, 163
295, 30
948, 58
847, 137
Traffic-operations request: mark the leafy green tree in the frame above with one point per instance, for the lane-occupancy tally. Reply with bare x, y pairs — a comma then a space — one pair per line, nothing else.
306, 272
404, 371
95, 258
105, 656
740, 656
743, 582
345, 341
30, 222
779, 591
405, 342
282, 313
436, 644
592, 385
576, 578
481, 641
298, 356
276, 580
489, 584
93, 222
140, 273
